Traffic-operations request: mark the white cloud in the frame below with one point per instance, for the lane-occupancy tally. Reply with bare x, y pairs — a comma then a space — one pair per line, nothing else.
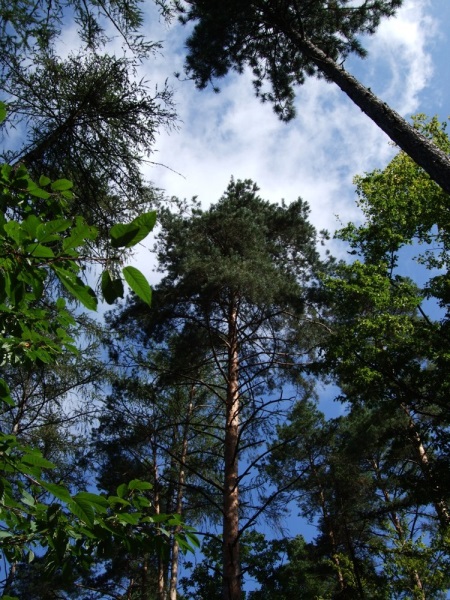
316, 155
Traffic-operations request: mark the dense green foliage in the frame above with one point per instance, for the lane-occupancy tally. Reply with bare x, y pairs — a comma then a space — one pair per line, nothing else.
258, 33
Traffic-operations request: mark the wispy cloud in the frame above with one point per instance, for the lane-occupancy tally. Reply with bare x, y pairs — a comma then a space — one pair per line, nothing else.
315, 156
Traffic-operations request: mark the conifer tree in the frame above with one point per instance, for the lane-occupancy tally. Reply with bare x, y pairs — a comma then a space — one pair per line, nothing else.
238, 280
286, 41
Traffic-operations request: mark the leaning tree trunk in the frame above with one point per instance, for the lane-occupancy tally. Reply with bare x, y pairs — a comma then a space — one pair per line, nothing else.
231, 560
423, 151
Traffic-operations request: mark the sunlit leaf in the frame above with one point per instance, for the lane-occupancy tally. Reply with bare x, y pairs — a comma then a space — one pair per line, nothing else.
138, 283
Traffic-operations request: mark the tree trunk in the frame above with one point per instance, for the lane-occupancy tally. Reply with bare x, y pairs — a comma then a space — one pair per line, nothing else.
424, 152
439, 503
395, 520
161, 591
179, 503
231, 561
328, 527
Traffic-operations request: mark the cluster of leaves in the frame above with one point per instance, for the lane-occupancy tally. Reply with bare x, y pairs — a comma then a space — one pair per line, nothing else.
41, 246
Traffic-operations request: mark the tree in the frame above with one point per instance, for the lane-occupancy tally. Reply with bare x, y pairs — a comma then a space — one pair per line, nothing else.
151, 427
87, 116
284, 42
387, 348
94, 123
239, 278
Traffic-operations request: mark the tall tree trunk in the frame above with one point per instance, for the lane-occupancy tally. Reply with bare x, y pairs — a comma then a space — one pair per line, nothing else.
161, 593
179, 501
424, 152
231, 560
439, 503
395, 520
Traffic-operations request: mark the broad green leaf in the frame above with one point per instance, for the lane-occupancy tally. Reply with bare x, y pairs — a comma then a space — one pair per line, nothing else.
111, 288
46, 231
76, 287
39, 251
15, 232
3, 112
138, 283
128, 235
99, 502
59, 491
130, 518
5, 394
31, 224
124, 236
82, 509
61, 185
122, 490
36, 459
27, 498
44, 180
137, 484
38, 192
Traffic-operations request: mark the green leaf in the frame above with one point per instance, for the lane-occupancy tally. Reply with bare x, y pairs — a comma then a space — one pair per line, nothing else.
59, 491
138, 283
126, 236
35, 190
39, 251
122, 490
35, 459
3, 112
99, 502
130, 518
83, 509
61, 185
44, 181
111, 288
46, 231
76, 287
137, 484
5, 394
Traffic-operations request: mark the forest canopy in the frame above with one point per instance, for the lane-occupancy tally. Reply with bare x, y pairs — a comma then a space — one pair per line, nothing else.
181, 443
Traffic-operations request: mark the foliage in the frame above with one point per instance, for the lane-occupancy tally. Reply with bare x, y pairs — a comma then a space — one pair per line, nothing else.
94, 122
264, 35
239, 288
37, 516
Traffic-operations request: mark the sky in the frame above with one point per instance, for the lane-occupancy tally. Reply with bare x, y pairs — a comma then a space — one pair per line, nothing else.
330, 141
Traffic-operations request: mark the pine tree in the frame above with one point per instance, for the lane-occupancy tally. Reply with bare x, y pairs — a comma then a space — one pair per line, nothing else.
284, 42
238, 278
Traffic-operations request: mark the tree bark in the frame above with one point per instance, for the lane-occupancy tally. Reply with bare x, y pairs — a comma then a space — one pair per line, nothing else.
179, 503
395, 520
423, 151
439, 503
231, 560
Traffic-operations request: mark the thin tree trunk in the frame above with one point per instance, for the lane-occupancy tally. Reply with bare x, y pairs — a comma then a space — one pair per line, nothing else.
414, 574
329, 528
424, 152
179, 503
439, 503
231, 560
157, 508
